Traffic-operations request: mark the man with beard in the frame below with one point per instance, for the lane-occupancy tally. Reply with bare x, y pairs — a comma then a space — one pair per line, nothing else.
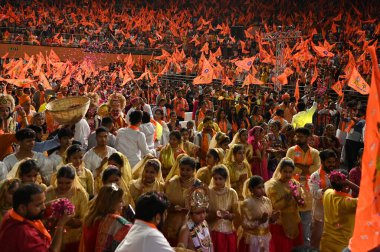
145, 234
319, 182
22, 229
307, 161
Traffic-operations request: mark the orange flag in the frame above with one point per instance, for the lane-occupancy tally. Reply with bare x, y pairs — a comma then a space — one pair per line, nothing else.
297, 91
357, 82
250, 79
218, 52
206, 75
350, 65
53, 57
227, 82
315, 75
338, 88
44, 81
282, 78
242, 43
19, 82
5, 56
321, 51
367, 221
205, 48
245, 64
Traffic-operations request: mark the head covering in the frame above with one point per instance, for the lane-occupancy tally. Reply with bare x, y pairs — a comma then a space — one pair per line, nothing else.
217, 139
277, 172
138, 169
4, 187
198, 198
174, 171
117, 100
252, 132
24, 99
285, 96
7, 101
228, 181
76, 184
236, 139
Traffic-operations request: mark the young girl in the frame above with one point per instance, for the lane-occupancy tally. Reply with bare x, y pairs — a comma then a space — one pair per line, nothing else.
213, 157
27, 171
66, 185
190, 148
7, 188
259, 163
256, 211
75, 157
149, 178
221, 119
241, 137
222, 210
238, 168
65, 138
170, 152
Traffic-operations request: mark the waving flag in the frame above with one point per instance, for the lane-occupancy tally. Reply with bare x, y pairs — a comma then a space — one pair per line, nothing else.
250, 79
206, 75
338, 88
357, 82
367, 221
245, 64
321, 51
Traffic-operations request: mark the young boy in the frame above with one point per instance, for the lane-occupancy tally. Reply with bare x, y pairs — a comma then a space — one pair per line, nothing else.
195, 235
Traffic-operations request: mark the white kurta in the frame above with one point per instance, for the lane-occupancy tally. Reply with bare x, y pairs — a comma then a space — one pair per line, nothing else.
82, 131
56, 160
148, 129
132, 143
143, 238
45, 165
92, 161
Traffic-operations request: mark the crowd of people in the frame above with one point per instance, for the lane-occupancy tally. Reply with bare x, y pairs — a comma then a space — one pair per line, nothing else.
265, 165
161, 165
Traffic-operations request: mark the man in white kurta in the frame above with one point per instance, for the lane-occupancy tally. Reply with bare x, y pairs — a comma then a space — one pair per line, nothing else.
144, 236
131, 141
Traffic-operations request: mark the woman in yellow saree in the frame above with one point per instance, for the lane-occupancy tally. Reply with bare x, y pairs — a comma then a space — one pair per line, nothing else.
170, 152
287, 231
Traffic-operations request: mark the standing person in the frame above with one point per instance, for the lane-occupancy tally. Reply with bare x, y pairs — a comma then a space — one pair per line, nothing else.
304, 115
148, 129
170, 152
214, 157
180, 105
355, 175
307, 161
259, 162
276, 146
149, 178
339, 208
287, 107
287, 231
22, 229
26, 141
354, 139
319, 182
222, 121
7, 189
222, 211
145, 234
108, 124
67, 185
81, 132
104, 228
97, 156
177, 190
257, 214
131, 142
203, 139
194, 234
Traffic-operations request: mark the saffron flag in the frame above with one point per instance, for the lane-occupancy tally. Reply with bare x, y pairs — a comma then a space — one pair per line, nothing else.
367, 221
321, 51
206, 75
338, 88
205, 48
245, 64
357, 82
315, 75
297, 91
250, 79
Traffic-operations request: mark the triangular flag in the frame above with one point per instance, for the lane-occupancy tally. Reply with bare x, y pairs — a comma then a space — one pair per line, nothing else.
250, 79
357, 82
206, 75
245, 64
315, 75
297, 91
338, 88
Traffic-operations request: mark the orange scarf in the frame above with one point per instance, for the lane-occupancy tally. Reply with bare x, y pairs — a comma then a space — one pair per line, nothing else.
322, 178
234, 127
134, 127
37, 224
299, 159
223, 126
204, 146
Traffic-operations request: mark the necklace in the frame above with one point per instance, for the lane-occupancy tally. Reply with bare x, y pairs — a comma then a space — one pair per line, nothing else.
200, 236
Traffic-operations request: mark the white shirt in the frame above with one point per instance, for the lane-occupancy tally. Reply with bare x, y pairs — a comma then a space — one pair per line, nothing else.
56, 160
3, 171
132, 143
129, 113
82, 131
148, 129
317, 193
92, 140
142, 238
45, 165
92, 161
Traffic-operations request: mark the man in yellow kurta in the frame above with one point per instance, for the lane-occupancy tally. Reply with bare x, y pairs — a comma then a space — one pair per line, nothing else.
307, 161
339, 208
